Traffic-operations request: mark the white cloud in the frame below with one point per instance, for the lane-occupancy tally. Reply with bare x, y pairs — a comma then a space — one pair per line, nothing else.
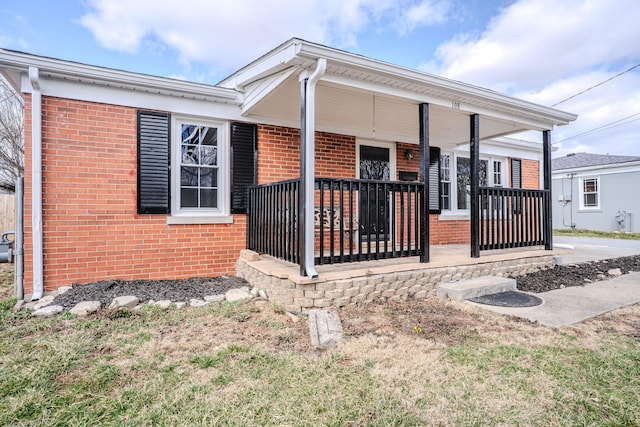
229, 34
548, 50
534, 42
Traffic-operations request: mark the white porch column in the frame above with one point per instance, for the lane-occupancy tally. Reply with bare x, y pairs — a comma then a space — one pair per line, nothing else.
307, 167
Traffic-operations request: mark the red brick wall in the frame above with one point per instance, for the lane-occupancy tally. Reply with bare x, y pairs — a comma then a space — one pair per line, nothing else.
530, 174
92, 231
279, 154
90, 226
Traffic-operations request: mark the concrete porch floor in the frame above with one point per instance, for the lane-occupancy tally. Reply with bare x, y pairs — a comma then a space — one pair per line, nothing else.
342, 284
440, 256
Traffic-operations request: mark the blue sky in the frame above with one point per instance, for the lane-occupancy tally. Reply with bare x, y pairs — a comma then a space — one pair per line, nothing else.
540, 50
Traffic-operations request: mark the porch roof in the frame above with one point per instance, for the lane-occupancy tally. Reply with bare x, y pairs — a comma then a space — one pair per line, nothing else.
374, 99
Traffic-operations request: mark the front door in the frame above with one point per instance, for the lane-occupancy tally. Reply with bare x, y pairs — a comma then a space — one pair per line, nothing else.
374, 164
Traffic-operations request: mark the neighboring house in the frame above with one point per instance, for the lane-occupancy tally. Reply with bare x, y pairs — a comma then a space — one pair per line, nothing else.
596, 192
309, 153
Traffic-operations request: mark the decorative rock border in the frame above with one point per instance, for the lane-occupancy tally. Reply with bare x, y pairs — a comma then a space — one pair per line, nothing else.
44, 307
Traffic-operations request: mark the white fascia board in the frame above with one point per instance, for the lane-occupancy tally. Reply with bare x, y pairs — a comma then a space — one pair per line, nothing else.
138, 99
601, 169
263, 67
454, 88
488, 148
257, 92
520, 144
65, 70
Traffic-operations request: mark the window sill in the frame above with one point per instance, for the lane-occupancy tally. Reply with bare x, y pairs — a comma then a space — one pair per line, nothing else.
454, 216
220, 219
587, 210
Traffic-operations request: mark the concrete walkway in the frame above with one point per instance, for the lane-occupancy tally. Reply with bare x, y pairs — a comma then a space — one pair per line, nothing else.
575, 304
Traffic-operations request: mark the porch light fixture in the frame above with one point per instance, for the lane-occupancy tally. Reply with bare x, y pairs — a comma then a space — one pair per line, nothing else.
408, 154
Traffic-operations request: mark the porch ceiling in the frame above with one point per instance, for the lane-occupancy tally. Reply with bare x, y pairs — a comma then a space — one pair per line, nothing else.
375, 115
372, 99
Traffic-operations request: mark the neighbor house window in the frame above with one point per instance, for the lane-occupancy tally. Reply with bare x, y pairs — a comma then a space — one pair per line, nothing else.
590, 193
199, 178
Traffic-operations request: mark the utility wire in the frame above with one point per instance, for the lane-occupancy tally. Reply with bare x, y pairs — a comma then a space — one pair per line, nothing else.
595, 86
601, 128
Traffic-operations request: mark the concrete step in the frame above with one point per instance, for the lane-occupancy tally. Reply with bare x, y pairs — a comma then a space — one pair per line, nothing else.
476, 287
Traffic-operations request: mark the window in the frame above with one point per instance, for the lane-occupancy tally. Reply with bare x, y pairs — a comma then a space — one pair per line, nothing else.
463, 180
497, 173
445, 181
190, 158
199, 184
455, 190
590, 193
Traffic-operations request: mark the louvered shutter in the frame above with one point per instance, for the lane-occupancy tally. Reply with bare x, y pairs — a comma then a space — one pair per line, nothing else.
516, 173
154, 138
434, 180
516, 182
244, 162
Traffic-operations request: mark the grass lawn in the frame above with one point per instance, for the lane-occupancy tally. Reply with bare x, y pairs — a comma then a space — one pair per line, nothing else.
591, 233
401, 364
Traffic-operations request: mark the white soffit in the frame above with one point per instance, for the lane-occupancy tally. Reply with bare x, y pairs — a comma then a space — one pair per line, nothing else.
364, 113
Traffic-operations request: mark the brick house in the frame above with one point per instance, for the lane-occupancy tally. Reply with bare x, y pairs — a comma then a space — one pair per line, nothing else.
309, 154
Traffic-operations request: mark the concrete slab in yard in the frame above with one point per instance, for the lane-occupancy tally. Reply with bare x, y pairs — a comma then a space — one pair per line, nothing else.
476, 287
324, 327
577, 303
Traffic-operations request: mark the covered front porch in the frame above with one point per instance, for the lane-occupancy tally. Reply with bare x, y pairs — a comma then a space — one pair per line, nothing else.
373, 211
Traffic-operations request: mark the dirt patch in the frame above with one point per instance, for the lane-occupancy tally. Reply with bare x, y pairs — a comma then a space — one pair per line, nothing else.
562, 276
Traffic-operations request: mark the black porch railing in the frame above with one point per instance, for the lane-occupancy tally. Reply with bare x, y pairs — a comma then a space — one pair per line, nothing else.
355, 220
272, 223
511, 218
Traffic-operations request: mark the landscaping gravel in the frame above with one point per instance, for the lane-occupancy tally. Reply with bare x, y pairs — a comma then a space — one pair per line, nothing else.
562, 276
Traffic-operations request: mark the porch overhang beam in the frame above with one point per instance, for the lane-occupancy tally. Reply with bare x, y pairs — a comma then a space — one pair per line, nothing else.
474, 157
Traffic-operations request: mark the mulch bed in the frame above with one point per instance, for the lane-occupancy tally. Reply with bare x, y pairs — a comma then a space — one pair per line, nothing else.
199, 287
174, 290
562, 276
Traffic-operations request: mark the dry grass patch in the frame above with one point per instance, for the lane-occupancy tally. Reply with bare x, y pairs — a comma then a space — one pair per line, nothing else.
425, 362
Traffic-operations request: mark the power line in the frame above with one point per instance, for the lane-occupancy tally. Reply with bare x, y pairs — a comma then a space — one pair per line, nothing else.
602, 127
595, 86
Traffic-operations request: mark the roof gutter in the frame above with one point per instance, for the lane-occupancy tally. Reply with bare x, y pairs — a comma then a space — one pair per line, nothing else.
36, 182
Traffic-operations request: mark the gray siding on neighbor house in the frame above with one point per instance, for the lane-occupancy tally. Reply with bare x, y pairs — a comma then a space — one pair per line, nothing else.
619, 208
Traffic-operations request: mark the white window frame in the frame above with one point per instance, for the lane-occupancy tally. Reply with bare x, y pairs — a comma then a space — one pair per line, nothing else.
453, 164
581, 192
180, 215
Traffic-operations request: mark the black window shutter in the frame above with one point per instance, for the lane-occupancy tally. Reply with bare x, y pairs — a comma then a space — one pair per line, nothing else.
516, 173
516, 182
154, 139
244, 164
434, 180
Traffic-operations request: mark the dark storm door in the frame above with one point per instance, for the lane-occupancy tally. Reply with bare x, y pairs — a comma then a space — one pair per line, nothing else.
374, 200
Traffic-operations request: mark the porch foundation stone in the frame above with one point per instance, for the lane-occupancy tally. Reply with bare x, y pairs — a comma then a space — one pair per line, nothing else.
284, 286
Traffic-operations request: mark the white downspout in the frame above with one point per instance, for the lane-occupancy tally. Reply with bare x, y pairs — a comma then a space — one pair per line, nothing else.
36, 182
310, 131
